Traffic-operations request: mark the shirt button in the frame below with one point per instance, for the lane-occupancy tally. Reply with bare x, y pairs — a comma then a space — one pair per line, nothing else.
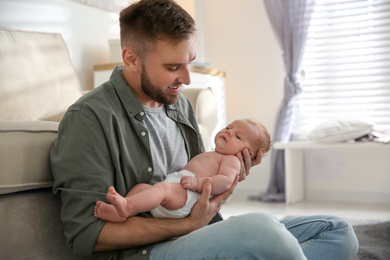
143, 133
150, 169
144, 252
142, 113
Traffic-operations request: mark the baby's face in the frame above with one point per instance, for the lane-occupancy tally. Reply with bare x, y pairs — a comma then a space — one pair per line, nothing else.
236, 137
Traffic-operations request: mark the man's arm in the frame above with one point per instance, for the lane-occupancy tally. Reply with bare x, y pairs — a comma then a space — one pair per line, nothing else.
137, 231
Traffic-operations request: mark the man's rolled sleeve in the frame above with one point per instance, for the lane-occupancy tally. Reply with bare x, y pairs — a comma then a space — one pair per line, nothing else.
86, 239
82, 172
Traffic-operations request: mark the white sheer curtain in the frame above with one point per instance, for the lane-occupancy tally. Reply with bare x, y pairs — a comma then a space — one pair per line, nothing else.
290, 21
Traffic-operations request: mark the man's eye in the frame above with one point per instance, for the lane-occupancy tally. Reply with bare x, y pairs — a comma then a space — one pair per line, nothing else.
172, 68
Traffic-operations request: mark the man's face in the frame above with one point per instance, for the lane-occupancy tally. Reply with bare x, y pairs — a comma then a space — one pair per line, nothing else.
166, 68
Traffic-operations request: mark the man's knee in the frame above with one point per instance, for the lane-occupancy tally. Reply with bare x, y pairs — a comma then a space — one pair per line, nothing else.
263, 235
324, 236
345, 233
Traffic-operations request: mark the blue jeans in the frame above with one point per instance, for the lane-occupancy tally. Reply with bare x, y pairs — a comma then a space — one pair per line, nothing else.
263, 236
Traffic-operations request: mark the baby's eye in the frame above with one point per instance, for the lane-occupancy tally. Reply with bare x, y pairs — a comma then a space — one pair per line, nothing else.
238, 137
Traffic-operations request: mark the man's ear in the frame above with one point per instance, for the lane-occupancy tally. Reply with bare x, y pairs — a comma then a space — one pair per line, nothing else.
130, 59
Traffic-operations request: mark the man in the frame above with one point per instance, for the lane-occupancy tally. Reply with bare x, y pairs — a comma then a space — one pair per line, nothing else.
137, 127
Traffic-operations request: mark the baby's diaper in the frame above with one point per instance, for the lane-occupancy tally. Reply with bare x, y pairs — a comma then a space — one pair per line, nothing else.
192, 198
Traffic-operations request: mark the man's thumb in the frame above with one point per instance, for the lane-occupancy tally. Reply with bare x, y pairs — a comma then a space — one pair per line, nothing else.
206, 189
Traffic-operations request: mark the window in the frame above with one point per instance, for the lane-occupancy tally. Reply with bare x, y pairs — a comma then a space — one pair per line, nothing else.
346, 64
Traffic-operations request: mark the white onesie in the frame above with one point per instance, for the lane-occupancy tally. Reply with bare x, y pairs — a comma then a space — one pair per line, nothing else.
192, 198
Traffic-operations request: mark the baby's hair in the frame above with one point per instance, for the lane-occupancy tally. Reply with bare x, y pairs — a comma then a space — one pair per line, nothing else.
264, 141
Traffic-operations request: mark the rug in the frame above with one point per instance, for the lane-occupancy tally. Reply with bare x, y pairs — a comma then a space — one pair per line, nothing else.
374, 241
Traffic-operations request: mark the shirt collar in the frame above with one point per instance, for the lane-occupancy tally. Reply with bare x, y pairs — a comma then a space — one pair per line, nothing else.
125, 93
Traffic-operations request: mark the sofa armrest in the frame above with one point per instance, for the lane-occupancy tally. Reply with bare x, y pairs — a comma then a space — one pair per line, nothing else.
205, 107
206, 137
24, 154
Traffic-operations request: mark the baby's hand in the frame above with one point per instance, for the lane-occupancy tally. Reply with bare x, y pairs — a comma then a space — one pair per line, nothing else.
189, 182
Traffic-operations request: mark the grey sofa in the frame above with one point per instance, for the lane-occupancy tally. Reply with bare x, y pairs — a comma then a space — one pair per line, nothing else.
37, 84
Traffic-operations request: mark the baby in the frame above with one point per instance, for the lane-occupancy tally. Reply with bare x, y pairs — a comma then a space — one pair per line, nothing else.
175, 197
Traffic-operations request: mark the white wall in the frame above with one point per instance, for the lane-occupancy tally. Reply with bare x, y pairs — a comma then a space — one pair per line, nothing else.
85, 29
239, 40
235, 36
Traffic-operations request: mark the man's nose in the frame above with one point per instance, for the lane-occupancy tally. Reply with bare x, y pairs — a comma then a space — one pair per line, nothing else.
185, 77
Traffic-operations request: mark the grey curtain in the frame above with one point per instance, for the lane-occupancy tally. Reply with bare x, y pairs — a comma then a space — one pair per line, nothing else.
290, 21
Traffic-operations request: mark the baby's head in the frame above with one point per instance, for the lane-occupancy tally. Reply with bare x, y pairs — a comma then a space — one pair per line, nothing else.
263, 140
241, 134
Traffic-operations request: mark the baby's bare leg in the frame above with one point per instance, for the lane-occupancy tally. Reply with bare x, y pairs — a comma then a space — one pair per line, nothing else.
107, 212
123, 207
170, 195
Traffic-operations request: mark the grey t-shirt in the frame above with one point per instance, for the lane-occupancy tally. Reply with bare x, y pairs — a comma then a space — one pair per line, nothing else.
166, 143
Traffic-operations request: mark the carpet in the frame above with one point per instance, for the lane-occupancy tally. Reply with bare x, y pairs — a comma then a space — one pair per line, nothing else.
374, 241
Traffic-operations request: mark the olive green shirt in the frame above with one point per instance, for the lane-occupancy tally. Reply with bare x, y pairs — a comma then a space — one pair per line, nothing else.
102, 141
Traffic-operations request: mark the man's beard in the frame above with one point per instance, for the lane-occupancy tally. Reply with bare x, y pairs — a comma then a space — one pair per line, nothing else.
155, 93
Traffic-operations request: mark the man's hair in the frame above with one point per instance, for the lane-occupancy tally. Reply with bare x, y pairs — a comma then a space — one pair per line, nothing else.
146, 21
264, 141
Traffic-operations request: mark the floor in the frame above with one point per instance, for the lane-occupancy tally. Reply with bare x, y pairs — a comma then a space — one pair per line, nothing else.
357, 213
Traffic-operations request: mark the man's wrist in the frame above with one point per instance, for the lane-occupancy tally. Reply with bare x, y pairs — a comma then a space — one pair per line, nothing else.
191, 224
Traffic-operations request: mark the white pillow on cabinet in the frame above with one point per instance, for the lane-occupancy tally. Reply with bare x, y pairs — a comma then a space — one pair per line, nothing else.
339, 130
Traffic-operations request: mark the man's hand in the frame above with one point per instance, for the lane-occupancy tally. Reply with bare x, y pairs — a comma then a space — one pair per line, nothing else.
205, 209
247, 163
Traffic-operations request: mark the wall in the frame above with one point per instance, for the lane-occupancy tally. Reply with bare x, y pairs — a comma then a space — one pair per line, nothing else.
86, 30
238, 39
234, 36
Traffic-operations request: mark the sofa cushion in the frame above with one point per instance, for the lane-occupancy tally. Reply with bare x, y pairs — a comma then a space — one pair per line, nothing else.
24, 154
37, 78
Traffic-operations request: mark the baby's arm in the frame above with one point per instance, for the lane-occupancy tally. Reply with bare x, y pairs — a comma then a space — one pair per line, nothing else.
228, 170
222, 181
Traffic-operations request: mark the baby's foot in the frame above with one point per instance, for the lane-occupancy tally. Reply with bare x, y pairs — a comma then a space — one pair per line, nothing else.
107, 212
119, 202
